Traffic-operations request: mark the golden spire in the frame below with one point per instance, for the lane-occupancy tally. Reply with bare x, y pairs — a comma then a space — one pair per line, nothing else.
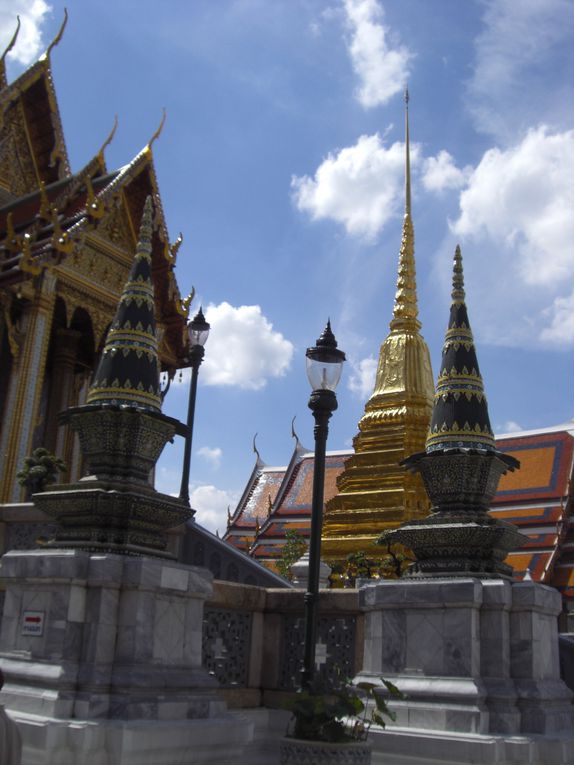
374, 492
11, 44
405, 310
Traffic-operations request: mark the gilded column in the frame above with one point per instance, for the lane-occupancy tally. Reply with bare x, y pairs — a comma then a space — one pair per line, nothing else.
25, 388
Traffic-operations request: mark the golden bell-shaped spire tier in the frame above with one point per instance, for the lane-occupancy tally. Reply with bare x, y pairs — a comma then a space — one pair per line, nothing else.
375, 493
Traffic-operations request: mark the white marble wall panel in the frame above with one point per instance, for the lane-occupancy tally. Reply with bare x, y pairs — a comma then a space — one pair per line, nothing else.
121, 638
472, 655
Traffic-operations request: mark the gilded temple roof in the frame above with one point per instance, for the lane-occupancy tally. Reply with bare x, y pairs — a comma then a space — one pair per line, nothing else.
59, 213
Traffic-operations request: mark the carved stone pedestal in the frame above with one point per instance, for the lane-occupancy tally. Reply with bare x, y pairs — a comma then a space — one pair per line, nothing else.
477, 660
102, 660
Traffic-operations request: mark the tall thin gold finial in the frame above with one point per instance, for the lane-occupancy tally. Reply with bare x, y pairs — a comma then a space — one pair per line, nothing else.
157, 133
107, 142
457, 277
405, 310
12, 42
407, 156
58, 37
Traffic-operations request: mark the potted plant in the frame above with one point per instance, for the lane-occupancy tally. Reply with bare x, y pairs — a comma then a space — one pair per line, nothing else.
40, 470
330, 726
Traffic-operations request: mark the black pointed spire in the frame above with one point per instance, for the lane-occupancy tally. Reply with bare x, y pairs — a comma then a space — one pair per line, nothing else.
460, 413
128, 372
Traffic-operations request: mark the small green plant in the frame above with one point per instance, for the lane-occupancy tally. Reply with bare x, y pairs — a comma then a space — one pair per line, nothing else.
360, 566
395, 561
40, 470
341, 714
293, 549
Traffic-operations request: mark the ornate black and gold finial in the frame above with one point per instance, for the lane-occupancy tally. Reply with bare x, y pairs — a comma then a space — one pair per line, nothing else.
457, 278
128, 372
460, 413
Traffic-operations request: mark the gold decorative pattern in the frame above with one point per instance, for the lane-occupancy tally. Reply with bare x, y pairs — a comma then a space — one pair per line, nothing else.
17, 169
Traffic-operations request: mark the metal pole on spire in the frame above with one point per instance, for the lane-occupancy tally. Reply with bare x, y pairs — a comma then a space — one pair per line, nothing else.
407, 157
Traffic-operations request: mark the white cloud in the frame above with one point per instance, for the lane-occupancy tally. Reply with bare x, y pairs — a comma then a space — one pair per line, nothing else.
441, 172
210, 504
382, 69
32, 16
213, 456
517, 40
243, 348
508, 427
560, 316
517, 228
523, 198
360, 187
362, 379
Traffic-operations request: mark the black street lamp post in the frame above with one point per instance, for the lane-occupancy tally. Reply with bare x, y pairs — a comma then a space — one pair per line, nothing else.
198, 331
324, 366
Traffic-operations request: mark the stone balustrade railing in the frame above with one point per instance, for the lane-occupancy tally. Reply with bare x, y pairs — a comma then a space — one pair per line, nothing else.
253, 640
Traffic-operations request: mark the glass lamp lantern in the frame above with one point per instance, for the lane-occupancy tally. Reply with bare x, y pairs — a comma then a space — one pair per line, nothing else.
198, 330
325, 362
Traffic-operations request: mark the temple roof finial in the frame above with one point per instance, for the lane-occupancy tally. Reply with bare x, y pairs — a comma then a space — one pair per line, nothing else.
107, 142
157, 133
9, 47
259, 462
58, 37
293, 434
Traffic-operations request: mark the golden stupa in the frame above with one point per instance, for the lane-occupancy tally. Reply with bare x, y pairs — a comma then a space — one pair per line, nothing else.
375, 493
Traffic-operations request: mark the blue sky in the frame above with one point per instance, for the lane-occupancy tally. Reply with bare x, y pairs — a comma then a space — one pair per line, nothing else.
281, 161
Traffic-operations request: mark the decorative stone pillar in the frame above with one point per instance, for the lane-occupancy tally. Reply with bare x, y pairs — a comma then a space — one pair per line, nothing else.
544, 700
61, 390
22, 403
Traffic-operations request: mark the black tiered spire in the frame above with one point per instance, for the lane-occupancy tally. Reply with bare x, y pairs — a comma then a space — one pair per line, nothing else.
460, 413
128, 372
460, 468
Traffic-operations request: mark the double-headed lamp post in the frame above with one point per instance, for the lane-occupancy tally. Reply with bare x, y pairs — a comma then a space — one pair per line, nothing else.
324, 367
198, 331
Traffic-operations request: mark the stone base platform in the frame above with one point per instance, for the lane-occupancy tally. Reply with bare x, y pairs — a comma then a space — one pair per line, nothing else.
471, 656
217, 741
102, 657
410, 746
